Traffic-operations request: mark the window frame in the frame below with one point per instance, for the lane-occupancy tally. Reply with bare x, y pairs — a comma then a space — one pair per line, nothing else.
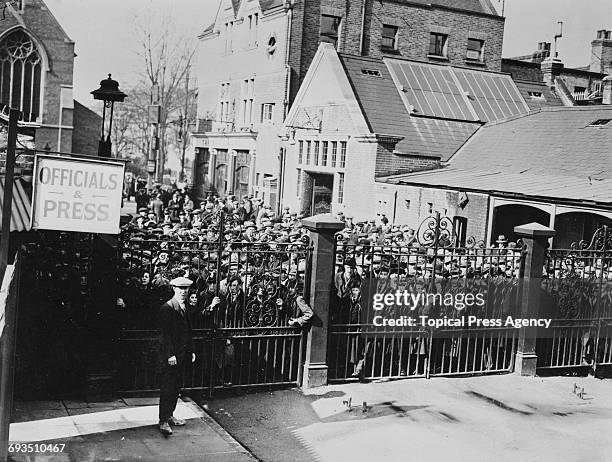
331, 36
383, 38
480, 50
267, 113
341, 188
443, 46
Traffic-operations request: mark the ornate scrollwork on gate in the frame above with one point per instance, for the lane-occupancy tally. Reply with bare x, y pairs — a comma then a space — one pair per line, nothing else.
437, 231
601, 240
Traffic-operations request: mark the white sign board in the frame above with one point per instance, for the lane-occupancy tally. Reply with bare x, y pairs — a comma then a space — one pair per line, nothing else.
79, 195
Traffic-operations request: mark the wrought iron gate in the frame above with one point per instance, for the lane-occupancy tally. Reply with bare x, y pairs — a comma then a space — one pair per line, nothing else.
435, 263
246, 340
577, 295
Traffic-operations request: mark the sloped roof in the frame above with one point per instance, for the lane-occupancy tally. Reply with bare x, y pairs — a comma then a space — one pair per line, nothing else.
552, 153
437, 129
554, 140
548, 98
476, 6
570, 189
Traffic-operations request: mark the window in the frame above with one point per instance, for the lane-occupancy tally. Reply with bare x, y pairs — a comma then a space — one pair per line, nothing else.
437, 44
389, 37
334, 149
253, 25
536, 95
316, 153
324, 153
267, 113
271, 46
342, 154
340, 188
20, 75
600, 122
299, 182
330, 29
248, 90
300, 152
224, 113
229, 29
474, 50
307, 152
372, 72
257, 179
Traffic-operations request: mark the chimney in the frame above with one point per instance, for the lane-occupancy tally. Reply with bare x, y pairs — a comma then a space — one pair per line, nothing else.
551, 68
606, 88
601, 56
542, 53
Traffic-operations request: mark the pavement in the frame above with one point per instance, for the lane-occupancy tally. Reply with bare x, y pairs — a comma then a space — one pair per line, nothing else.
122, 430
494, 418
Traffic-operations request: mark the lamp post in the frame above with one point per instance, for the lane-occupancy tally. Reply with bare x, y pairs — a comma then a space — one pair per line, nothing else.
109, 93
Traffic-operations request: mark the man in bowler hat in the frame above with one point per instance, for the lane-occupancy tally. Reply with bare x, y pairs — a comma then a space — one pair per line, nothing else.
176, 347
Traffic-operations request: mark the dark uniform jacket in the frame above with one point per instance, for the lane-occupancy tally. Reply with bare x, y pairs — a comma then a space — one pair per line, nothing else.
175, 332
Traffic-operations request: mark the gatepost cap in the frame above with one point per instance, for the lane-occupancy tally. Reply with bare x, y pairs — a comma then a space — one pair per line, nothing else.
181, 282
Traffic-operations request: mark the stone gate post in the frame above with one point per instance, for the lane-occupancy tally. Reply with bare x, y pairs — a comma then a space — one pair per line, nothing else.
536, 238
322, 230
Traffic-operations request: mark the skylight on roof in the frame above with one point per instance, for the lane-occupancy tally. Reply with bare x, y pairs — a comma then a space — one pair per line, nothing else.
537, 95
372, 72
600, 122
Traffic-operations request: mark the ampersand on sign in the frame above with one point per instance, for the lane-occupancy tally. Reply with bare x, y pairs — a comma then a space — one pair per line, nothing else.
77, 195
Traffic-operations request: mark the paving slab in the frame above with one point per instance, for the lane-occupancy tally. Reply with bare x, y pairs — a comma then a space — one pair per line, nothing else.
129, 433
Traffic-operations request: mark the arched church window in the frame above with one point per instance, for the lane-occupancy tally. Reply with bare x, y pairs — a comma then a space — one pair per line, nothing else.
20, 75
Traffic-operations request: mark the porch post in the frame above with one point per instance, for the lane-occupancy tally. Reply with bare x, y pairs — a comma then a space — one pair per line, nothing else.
536, 238
231, 174
322, 230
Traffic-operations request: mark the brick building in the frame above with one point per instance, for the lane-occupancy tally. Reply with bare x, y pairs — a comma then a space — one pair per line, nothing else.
36, 77
358, 119
256, 54
568, 86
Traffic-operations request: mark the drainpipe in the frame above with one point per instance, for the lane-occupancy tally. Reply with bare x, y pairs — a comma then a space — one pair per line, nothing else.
289, 9
363, 12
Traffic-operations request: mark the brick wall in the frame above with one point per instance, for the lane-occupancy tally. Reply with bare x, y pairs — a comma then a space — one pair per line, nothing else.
388, 163
86, 133
411, 205
414, 25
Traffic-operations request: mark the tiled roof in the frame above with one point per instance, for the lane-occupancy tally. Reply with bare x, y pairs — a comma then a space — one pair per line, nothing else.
531, 90
555, 140
493, 181
553, 153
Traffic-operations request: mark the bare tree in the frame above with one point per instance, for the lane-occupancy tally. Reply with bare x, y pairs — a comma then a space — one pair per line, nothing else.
167, 56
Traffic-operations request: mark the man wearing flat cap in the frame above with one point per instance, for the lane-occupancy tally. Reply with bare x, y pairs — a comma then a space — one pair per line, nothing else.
176, 347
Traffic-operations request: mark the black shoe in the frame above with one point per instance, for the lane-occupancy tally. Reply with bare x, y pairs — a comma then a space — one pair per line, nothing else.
164, 428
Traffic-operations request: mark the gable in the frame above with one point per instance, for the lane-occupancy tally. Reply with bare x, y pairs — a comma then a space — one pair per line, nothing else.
326, 97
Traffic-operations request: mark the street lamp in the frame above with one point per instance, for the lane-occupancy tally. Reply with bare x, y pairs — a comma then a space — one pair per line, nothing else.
109, 93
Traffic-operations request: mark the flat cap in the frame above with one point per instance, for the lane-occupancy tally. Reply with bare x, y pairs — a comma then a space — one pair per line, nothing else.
181, 282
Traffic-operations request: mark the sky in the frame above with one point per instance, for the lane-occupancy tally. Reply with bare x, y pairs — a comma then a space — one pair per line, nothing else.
104, 31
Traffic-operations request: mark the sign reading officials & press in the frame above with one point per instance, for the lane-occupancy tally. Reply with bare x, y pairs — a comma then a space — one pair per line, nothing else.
75, 194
